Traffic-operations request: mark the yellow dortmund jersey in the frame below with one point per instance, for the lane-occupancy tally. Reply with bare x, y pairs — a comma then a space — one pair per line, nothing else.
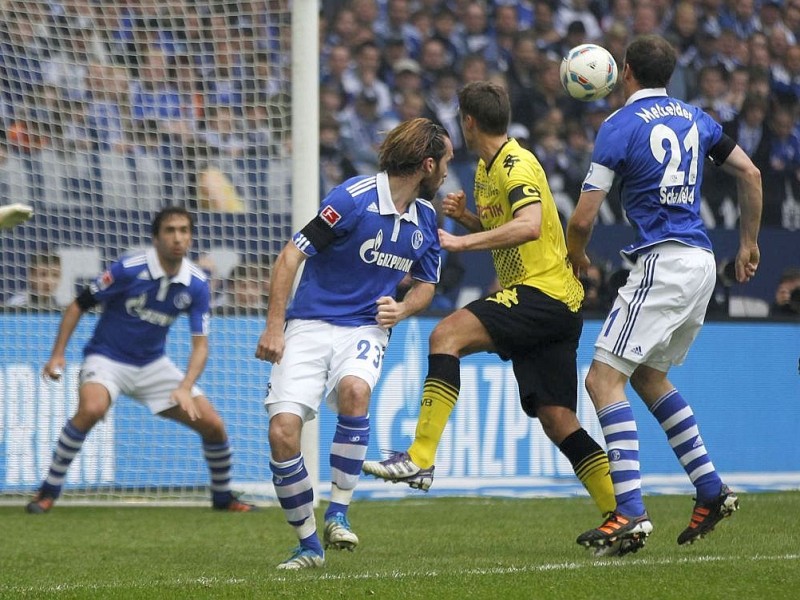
514, 179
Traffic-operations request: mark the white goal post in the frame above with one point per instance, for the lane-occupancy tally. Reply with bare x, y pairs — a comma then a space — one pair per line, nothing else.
113, 110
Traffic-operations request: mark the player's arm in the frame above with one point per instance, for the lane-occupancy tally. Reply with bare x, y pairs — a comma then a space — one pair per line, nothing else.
69, 321
525, 226
748, 186
197, 363
579, 228
271, 342
417, 299
454, 205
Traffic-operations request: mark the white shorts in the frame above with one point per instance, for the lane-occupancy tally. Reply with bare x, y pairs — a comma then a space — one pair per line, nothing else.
150, 385
316, 357
660, 309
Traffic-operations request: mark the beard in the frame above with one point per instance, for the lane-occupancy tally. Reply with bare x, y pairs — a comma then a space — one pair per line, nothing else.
429, 186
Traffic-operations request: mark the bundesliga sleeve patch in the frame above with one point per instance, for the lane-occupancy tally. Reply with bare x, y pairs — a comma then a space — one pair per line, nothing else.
105, 280
330, 215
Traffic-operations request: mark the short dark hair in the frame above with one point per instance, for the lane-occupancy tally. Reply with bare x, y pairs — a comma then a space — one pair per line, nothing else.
411, 142
488, 104
651, 59
169, 211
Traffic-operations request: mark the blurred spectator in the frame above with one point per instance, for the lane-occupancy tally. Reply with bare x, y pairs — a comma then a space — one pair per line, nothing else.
574, 35
738, 83
577, 11
335, 68
645, 19
68, 68
433, 61
442, 108
109, 104
758, 52
216, 281
478, 36
786, 76
361, 132
474, 68
787, 295
363, 77
505, 27
740, 17
544, 24
682, 31
44, 275
522, 69
782, 188
407, 78
712, 89
21, 53
409, 106
397, 25
248, 288
749, 130
596, 298
447, 31
335, 167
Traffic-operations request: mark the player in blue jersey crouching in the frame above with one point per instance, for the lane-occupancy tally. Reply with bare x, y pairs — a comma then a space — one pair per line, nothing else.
656, 146
329, 342
142, 295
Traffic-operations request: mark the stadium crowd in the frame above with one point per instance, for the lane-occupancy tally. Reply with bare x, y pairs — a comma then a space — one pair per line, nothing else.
200, 90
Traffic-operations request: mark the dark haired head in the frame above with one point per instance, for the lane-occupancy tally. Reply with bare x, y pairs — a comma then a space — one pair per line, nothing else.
488, 104
169, 211
652, 60
410, 143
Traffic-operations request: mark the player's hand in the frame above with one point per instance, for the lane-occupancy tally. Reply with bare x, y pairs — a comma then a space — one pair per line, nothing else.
14, 214
184, 399
450, 242
270, 346
454, 204
54, 368
580, 264
747, 261
390, 312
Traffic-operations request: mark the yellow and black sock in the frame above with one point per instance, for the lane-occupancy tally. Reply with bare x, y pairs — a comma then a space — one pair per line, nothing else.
590, 463
439, 396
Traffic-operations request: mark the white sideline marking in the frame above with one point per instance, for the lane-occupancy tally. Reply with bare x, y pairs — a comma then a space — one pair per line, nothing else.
210, 582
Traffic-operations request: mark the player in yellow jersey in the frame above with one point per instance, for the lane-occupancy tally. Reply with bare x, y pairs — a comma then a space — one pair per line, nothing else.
535, 320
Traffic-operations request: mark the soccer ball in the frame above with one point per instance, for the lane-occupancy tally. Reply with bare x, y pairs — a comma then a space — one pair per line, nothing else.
588, 72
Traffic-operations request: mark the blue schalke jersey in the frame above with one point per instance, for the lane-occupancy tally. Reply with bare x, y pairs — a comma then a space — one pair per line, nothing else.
656, 145
140, 302
373, 249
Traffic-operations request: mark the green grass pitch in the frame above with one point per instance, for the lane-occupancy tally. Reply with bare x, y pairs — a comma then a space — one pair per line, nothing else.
427, 548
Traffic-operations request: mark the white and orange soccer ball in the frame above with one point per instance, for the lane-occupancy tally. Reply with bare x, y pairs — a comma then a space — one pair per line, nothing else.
588, 72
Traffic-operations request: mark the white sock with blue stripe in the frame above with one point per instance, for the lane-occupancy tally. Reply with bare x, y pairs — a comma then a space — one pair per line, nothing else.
622, 443
677, 420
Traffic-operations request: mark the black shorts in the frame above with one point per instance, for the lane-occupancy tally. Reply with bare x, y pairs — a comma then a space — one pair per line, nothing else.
540, 336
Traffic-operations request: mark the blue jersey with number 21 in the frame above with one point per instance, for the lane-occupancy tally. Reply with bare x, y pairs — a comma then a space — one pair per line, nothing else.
656, 146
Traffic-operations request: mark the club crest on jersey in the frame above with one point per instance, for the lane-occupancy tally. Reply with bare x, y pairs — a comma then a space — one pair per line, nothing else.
330, 215
182, 300
416, 239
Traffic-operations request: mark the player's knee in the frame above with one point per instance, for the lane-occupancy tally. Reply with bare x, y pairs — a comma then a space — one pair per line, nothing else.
214, 428
593, 383
89, 413
443, 339
284, 436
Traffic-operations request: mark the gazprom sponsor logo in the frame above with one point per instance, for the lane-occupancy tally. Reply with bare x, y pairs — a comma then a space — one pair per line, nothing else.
370, 253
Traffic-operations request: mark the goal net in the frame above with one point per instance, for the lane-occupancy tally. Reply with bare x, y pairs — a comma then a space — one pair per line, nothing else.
110, 111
